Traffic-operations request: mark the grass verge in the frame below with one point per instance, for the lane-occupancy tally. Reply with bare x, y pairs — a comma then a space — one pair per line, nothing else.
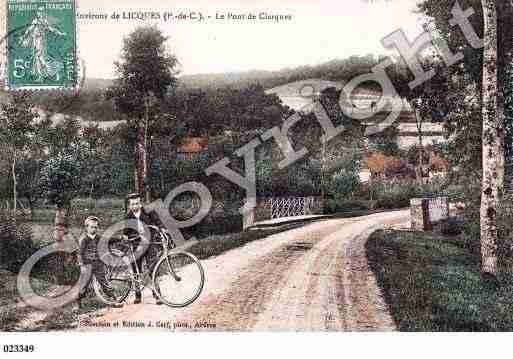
433, 284
15, 316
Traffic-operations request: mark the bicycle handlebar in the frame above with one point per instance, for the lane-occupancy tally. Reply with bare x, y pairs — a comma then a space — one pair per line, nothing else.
129, 239
158, 229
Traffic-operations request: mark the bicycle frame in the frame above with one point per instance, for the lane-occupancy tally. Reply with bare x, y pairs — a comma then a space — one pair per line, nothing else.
137, 278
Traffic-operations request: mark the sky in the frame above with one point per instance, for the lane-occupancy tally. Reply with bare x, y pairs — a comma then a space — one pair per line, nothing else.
319, 31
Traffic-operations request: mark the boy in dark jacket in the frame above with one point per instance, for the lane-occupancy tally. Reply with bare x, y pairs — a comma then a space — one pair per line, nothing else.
88, 254
136, 212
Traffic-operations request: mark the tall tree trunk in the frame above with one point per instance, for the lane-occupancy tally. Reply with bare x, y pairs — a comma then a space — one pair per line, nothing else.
59, 224
136, 174
492, 133
146, 160
58, 234
140, 161
14, 186
501, 159
31, 207
420, 170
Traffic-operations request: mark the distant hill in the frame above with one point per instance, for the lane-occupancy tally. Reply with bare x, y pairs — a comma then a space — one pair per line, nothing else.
339, 70
236, 80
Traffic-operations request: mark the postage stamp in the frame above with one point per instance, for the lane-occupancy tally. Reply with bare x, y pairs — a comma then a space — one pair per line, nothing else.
41, 44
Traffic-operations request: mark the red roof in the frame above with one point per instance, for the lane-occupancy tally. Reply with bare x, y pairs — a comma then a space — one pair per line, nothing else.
193, 145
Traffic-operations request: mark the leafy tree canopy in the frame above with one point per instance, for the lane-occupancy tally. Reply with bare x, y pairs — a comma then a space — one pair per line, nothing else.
146, 68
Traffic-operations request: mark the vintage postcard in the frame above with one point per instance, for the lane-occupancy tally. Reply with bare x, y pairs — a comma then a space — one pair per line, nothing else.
292, 166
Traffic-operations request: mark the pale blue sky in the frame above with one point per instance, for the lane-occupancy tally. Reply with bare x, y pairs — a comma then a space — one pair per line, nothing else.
320, 31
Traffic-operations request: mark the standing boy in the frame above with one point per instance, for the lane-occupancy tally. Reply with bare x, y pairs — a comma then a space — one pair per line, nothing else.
137, 212
88, 254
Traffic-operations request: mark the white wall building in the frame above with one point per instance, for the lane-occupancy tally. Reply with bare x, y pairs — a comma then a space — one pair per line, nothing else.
299, 96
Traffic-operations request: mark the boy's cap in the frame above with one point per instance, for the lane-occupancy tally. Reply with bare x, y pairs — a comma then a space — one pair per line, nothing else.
133, 196
91, 218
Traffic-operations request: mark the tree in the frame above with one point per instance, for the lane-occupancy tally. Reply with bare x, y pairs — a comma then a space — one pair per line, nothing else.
146, 72
97, 157
508, 124
63, 169
17, 127
428, 101
61, 179
493, 140
29, 185
487, 70
212, 112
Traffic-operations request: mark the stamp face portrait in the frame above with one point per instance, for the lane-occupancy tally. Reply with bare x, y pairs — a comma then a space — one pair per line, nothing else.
41, 44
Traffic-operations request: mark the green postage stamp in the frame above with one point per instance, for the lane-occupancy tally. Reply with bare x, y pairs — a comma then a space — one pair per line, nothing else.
41, 44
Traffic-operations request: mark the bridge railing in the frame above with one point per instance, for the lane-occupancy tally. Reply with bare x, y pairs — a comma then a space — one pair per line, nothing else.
281, 207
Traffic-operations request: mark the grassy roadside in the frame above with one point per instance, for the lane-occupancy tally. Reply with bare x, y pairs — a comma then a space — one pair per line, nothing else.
16, 316
431, 283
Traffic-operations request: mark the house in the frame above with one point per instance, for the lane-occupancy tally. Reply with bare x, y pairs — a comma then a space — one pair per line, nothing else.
192, 148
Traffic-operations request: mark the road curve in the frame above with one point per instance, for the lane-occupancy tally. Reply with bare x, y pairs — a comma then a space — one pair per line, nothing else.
313, 278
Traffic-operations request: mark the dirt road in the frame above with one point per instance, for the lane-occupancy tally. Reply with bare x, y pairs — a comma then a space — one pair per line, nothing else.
313, 278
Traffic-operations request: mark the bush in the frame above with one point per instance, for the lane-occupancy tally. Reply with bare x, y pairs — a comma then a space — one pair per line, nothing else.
301, 179
264, 176
390, 194
346, 192
334, 205
221, 219
16, 244
343, 184
218, 224
391, 202
452, 226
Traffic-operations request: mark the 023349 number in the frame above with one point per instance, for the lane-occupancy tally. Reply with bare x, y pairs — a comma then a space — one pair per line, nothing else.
22, 348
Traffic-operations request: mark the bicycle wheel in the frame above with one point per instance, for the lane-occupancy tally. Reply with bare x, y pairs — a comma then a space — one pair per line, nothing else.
119, 278
178, 279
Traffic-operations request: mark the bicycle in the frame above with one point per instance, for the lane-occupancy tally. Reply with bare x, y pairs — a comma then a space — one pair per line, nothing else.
175, 274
